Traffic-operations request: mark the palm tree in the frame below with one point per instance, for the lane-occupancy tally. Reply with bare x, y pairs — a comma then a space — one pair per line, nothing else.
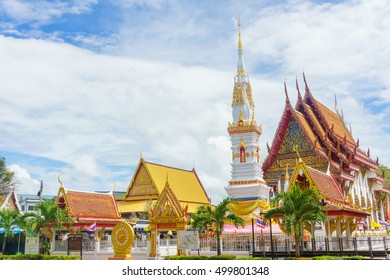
210, 217
9, 220
297, 207
47, 214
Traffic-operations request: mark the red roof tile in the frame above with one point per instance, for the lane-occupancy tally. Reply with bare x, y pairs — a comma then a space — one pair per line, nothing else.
326, 184
92, 206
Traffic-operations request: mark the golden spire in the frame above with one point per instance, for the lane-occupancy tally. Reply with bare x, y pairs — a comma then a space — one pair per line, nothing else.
239, 35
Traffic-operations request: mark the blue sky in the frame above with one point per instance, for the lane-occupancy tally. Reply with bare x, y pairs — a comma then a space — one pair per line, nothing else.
89, 85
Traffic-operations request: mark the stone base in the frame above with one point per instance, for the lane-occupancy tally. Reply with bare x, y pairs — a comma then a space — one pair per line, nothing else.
120, 258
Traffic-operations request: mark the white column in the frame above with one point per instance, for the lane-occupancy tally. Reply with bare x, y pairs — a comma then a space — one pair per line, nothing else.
53, 241
329, 235
381, 209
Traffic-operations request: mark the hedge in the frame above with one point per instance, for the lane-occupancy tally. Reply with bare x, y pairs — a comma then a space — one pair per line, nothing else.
217, 257
38, 257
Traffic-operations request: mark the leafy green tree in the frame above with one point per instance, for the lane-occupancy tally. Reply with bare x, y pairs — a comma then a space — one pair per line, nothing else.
9, 220
298, 207
6, 177
382, 169
46, 214
215, 218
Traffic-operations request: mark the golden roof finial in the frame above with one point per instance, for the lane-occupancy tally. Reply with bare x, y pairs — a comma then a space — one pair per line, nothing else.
114, 187
239, 35
140, 155
59, 181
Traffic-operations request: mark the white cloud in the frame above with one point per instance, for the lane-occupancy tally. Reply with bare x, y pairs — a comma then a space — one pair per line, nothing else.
25, 184
42, 11
92, 111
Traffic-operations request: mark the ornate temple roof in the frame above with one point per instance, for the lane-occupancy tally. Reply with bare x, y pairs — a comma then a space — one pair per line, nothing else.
149, 181
326, 132
327, 186
88, 207
9, 200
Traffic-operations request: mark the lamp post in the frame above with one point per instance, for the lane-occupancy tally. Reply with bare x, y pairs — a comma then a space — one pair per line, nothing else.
270, 226
272, 241
253, 239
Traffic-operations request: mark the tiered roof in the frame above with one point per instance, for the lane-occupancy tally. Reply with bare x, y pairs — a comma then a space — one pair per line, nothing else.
327, 134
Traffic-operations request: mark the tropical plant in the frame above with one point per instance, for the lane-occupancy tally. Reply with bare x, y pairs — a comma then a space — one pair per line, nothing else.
298, 207
46, 215
208, 217
6, 177
9, 220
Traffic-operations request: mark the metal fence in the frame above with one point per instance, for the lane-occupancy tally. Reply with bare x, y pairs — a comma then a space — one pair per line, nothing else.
285, 244
375, 245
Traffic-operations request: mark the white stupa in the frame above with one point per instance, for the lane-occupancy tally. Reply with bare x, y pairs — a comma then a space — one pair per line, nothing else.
247, 183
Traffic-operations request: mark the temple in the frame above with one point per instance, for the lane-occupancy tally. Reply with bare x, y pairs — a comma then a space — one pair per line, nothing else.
312, 146
9, 200
149, 182
247, 185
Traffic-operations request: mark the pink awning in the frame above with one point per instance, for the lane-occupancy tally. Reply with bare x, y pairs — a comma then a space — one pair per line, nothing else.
247, 229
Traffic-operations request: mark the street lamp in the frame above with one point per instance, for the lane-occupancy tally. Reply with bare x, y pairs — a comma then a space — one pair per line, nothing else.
270, 226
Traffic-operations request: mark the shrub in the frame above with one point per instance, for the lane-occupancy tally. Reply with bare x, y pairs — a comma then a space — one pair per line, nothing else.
177, 258
339, 258
37, 257
222, 257
250, 258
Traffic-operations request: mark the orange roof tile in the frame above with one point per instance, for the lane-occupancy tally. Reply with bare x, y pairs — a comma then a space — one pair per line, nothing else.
332, 118
313, 118
334, 210
89, 205
326, 184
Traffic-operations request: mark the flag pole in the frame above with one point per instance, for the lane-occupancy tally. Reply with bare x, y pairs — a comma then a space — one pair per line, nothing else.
253, 239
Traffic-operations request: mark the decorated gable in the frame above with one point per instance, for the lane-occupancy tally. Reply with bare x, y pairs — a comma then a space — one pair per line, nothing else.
142, 184
292, 138
168, 207
308, 177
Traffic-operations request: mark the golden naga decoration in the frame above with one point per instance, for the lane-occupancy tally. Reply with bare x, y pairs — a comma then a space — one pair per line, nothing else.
59, 181
286, 176
296, 150
249, 95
